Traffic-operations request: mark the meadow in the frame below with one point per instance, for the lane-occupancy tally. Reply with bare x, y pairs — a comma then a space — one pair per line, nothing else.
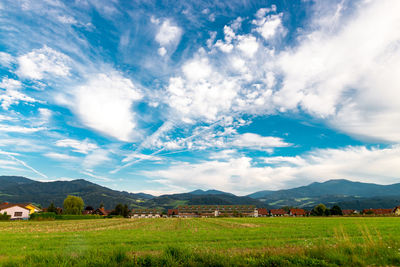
310, 241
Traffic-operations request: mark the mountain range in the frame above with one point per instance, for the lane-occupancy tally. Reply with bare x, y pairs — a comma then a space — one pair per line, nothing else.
345, 193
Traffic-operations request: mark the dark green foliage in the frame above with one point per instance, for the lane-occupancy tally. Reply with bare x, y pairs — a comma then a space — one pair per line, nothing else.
43, 216
319, 210
73, 205
52, 208
4, 217
121, 210
336, 210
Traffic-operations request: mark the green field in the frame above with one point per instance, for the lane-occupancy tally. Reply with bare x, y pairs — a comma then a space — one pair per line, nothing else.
312, 241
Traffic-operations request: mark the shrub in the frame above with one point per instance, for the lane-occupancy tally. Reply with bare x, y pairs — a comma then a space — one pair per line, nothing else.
43, 216
4, 217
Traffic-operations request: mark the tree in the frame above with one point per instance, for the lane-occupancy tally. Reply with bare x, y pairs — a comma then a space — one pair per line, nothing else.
52, 208
336, 210
121, 210
101, 205
73, 205
319, 210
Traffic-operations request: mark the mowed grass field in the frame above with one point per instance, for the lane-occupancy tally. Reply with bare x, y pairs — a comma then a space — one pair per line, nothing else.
312, 241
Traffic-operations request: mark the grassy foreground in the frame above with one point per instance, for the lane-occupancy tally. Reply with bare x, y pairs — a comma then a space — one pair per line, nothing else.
202, 242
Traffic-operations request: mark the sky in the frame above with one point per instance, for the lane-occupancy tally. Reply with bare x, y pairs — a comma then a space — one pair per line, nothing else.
173, 96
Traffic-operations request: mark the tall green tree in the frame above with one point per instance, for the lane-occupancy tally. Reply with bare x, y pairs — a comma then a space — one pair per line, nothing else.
122, 210
73, 205
319, 210
52, 208
336, 210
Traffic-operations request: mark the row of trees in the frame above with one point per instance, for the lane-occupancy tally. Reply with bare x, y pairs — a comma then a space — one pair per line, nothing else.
74, 205
322, 210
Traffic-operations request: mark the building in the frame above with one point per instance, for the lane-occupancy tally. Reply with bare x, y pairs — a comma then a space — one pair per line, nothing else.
277, 212
349, 212
377, 211
262, 212
32, 207
101, 211
16, 211
217, 211
173, 213
297, 212
145, 213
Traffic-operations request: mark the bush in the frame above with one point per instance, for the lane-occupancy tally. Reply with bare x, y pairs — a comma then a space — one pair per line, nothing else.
4, 217
77, 217
43, 216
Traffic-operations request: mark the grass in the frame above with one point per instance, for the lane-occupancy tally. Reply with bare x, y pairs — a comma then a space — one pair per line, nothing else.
310, 241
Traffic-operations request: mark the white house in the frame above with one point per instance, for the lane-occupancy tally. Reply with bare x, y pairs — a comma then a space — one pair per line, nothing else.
16, 211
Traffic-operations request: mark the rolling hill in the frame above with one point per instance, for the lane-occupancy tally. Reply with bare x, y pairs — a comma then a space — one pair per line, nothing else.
349, 194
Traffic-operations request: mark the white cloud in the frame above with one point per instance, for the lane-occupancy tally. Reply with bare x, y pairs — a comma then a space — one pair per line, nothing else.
83, 147
6, 59
19, 129
105, 102
269, 26
168, 36
340, 73
162, 51
255, 141
248, 45
12, 95
241, 175
60, 156
96, 158
168, 33
44, 61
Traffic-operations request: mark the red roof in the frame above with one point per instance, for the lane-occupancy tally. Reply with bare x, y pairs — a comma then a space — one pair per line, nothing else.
347, 212
379, 211
277, 212
297, 212
173, 212
262, 212
7, 205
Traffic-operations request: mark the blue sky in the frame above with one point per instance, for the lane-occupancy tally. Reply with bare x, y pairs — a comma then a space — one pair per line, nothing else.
172, 96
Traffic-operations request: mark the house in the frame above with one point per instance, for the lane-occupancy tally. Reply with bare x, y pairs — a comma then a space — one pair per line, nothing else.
101, 211
262, 212
16, 211
145, 213
173, 213
349, 212
32, 207
378, 211
297, 212
396, 211
277, 212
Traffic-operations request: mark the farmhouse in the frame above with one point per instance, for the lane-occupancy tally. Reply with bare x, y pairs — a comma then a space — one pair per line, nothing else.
32, 207
349, 212
277, 212
145, 213
16, 211
217, 210
262, 212
378, 211
297, 212
101, 211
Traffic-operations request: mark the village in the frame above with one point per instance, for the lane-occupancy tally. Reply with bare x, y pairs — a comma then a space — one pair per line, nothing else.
25, 211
